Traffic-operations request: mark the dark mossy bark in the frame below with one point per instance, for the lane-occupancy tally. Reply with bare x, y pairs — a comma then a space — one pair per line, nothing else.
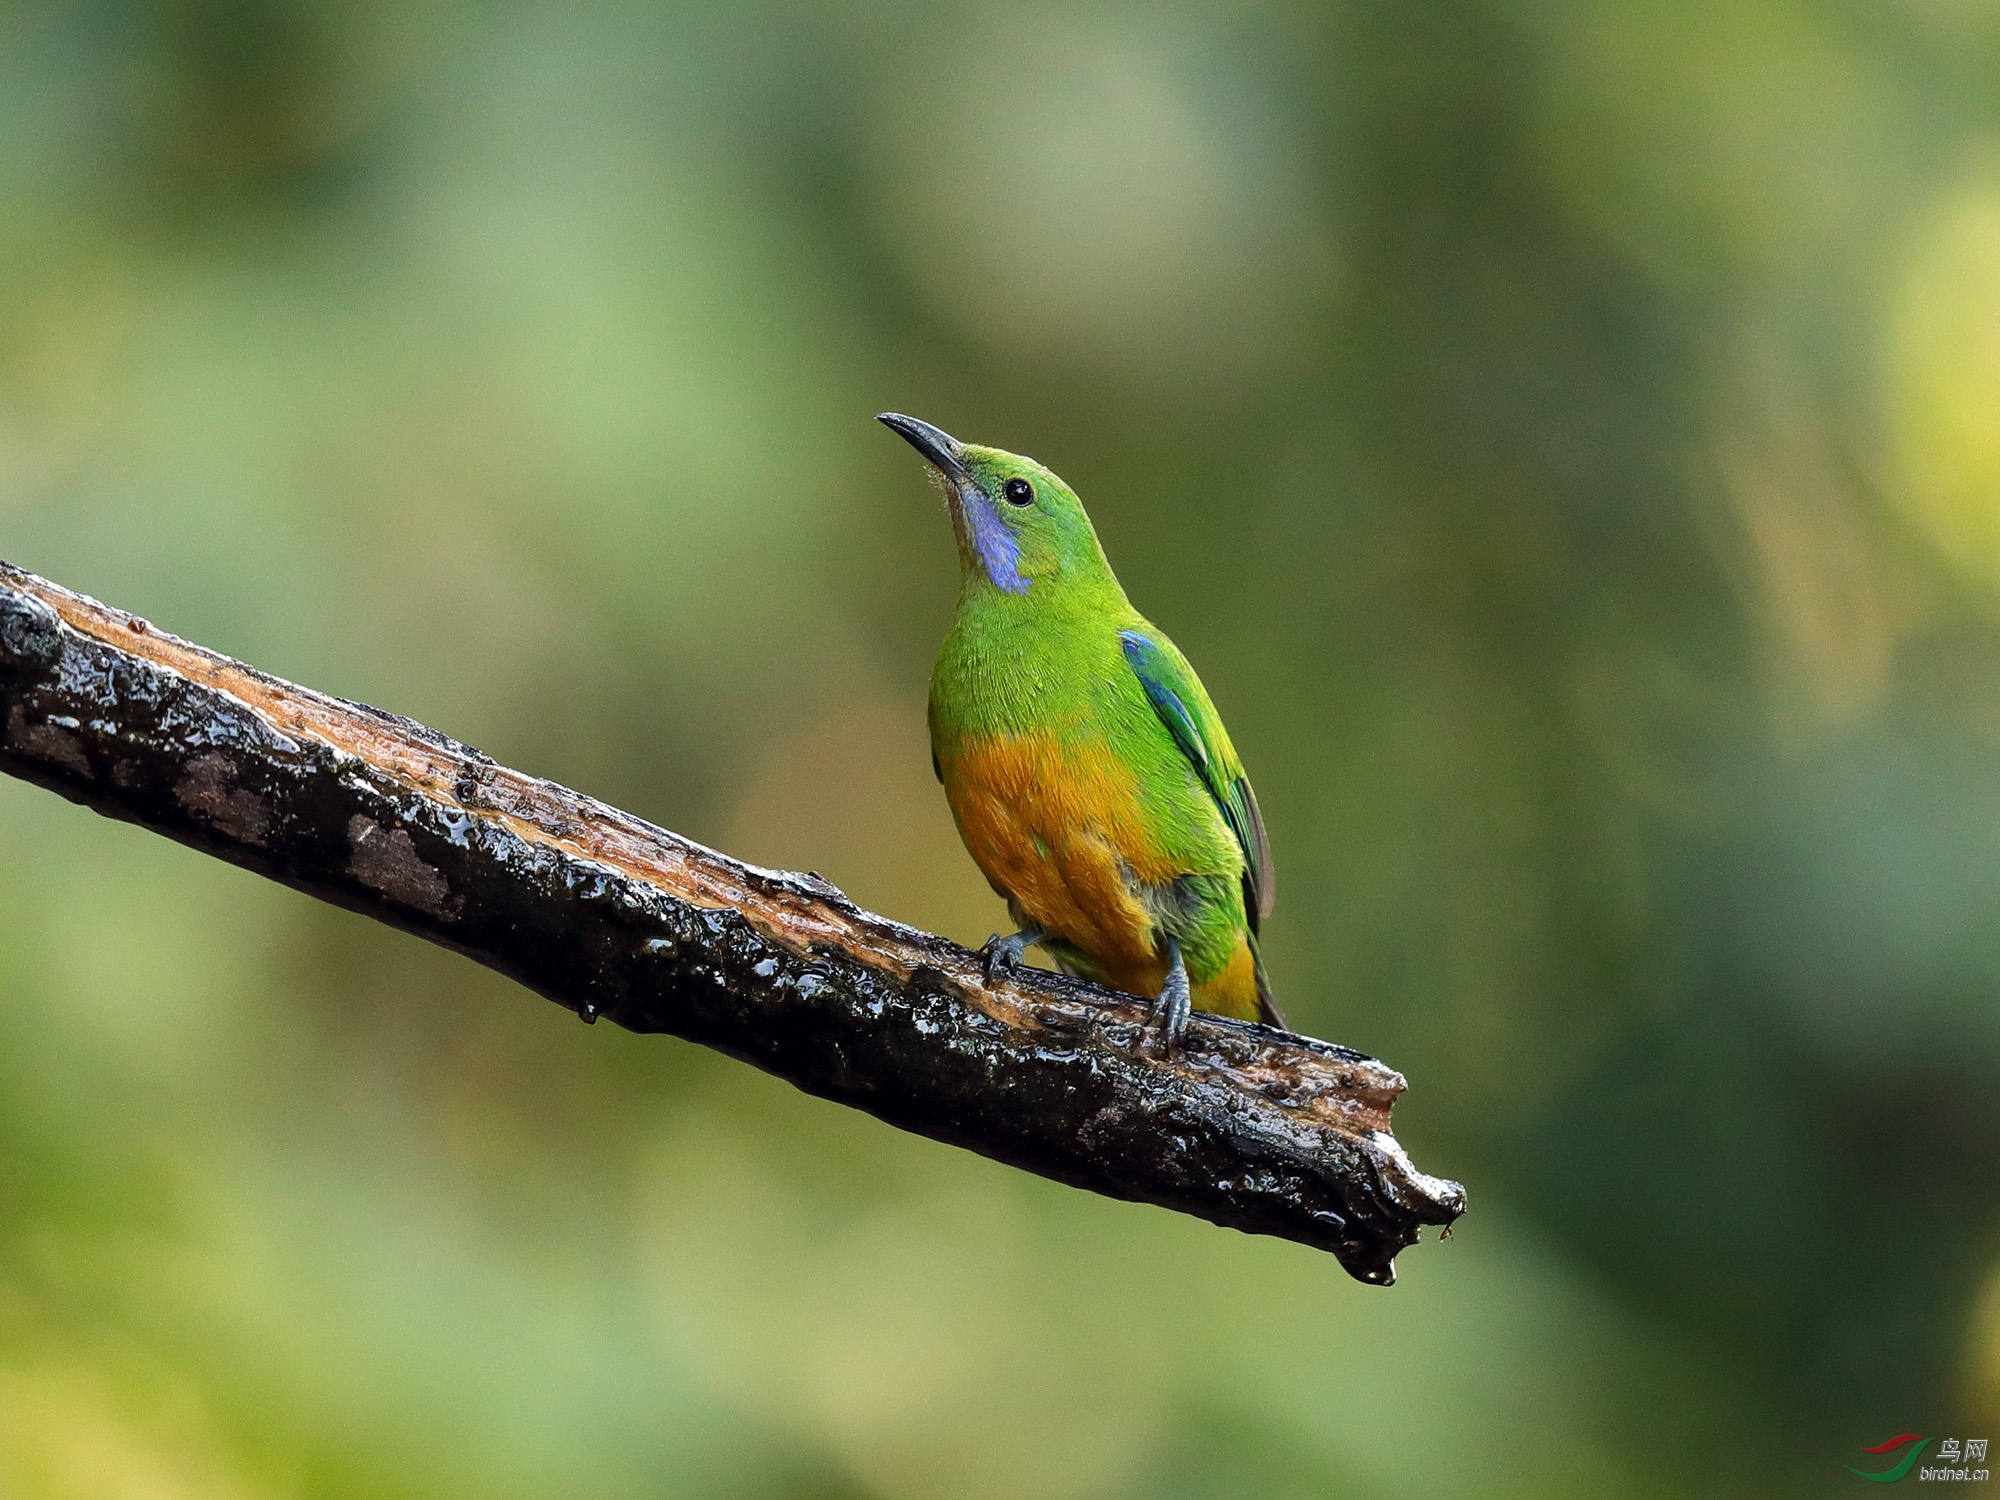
607, 915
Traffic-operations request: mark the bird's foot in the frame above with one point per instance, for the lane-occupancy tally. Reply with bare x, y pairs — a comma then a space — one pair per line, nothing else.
1170, 1011
1003, 954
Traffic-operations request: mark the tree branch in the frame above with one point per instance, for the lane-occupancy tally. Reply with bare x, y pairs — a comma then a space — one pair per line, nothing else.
610, 916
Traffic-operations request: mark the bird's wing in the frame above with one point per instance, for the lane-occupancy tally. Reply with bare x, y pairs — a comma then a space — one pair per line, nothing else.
1177, 697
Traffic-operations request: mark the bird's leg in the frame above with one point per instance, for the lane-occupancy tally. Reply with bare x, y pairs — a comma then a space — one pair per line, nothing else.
1004, 953
1176, 1000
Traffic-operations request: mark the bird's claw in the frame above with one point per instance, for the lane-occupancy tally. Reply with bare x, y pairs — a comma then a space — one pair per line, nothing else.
1002, 955
1170, 1011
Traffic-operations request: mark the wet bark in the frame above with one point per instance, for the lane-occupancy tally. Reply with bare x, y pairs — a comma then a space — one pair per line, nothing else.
609, 916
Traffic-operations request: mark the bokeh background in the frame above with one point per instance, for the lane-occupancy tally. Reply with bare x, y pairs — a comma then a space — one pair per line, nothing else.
1567, 439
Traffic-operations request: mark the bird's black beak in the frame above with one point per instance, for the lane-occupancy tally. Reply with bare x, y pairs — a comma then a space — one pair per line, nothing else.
940, 447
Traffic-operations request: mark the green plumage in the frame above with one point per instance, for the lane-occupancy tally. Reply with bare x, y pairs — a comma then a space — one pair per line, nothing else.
1089, 772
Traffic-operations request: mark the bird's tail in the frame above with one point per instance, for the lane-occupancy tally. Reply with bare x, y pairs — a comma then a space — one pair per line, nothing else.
1267, 1008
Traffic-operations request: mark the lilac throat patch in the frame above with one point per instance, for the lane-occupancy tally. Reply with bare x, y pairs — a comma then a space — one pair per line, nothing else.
995, 544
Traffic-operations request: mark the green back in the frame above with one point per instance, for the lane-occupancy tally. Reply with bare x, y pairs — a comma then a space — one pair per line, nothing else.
1045, 641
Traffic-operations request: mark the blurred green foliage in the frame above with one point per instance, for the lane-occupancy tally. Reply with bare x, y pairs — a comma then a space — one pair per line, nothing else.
1567, 438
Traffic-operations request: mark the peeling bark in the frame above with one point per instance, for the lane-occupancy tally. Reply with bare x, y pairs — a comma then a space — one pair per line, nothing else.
605, 914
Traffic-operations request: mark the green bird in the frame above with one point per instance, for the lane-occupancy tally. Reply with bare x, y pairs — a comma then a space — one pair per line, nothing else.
1088, 772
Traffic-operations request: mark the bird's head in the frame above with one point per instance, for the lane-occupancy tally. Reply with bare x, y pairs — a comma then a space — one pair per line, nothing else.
1018, 525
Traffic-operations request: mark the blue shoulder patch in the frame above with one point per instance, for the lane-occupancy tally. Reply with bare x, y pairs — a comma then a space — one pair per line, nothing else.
1151, 666
1157, 673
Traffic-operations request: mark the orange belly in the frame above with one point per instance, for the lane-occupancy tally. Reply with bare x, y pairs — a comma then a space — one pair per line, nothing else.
1058, 829
1233, 992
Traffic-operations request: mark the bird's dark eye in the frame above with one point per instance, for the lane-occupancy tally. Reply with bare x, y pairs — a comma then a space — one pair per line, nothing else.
1018, 492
